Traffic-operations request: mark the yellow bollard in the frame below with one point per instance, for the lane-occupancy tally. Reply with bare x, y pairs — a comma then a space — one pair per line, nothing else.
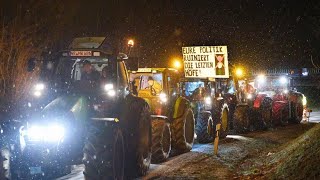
216, 139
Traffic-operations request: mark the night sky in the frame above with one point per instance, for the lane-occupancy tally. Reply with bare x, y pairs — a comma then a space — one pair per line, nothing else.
269, 33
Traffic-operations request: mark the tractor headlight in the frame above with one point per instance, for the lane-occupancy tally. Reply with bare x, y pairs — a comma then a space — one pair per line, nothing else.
109, 89
283, 80
261, 79
163, 97
304, 100
111, 93
208, 100
38, 89
50, 133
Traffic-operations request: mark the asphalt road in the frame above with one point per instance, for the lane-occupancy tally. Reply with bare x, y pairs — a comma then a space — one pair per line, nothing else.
314, 117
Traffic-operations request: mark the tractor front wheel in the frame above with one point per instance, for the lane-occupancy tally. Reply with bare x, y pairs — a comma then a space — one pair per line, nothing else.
204, 127
104, 153
161, 140
241, 119
183, 132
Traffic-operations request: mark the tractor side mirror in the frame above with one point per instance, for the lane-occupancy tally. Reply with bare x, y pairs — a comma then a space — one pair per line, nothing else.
31, 64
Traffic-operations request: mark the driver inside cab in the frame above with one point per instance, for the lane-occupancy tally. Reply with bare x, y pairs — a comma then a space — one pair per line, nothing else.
154, 86
89, 73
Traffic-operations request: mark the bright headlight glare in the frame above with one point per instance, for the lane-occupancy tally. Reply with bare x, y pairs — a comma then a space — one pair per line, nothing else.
51, 133
283, 80
261, 78
207, 100
285, 91
108, 87
163, 97
37, 93
39, 87
111, 92
249, 96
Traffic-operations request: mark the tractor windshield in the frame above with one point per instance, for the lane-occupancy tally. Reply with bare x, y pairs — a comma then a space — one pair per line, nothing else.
190, 87
88, 70
272, 84
87, 42
147, 83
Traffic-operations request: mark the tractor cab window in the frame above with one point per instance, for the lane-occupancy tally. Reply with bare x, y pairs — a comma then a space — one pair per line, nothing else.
190, 87
172, 85
147, 83
83, 71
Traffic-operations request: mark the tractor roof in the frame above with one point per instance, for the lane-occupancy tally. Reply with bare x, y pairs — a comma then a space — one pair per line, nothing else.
154, 70
93, 47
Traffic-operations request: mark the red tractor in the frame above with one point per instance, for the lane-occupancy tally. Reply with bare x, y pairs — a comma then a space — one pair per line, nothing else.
287, 105
253, 111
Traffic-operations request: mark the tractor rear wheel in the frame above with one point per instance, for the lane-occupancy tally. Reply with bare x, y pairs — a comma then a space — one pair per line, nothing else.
161, 140
297, 111
104, 153
204, 127
241, 119
266, 112
279, 115
182, 130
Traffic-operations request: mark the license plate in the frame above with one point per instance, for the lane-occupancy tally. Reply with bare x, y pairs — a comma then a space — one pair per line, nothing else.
80, 53
35, 170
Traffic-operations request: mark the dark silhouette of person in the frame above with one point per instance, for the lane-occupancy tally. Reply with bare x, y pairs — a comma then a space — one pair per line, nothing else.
89, 73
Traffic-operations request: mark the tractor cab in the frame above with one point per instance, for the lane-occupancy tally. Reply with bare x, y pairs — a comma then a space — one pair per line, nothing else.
156, 85
273, 86
87, 66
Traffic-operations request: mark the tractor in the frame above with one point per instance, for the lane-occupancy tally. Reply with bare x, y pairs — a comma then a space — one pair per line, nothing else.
287, 103
253, 110
265, 102
209, 105
172, 118
91, 117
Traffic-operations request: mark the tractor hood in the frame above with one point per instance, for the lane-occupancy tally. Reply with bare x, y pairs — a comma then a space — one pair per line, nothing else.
63, 108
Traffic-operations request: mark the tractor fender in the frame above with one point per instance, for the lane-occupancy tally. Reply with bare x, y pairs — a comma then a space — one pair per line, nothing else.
295, 97
159, 117
180, 105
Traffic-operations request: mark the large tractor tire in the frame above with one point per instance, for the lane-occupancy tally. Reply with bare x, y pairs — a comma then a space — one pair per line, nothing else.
299, 113
104, 153
232, 109
138, 137
241, 120
279, 113
182, 132
4, 163
161, 140
266, 112
204, 127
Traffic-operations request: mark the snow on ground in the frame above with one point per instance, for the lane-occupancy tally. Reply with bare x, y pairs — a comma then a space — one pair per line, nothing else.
238, 156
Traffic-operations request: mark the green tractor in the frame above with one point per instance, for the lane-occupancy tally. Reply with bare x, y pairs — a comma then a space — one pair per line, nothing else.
209, 104
87, 107
172, 117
